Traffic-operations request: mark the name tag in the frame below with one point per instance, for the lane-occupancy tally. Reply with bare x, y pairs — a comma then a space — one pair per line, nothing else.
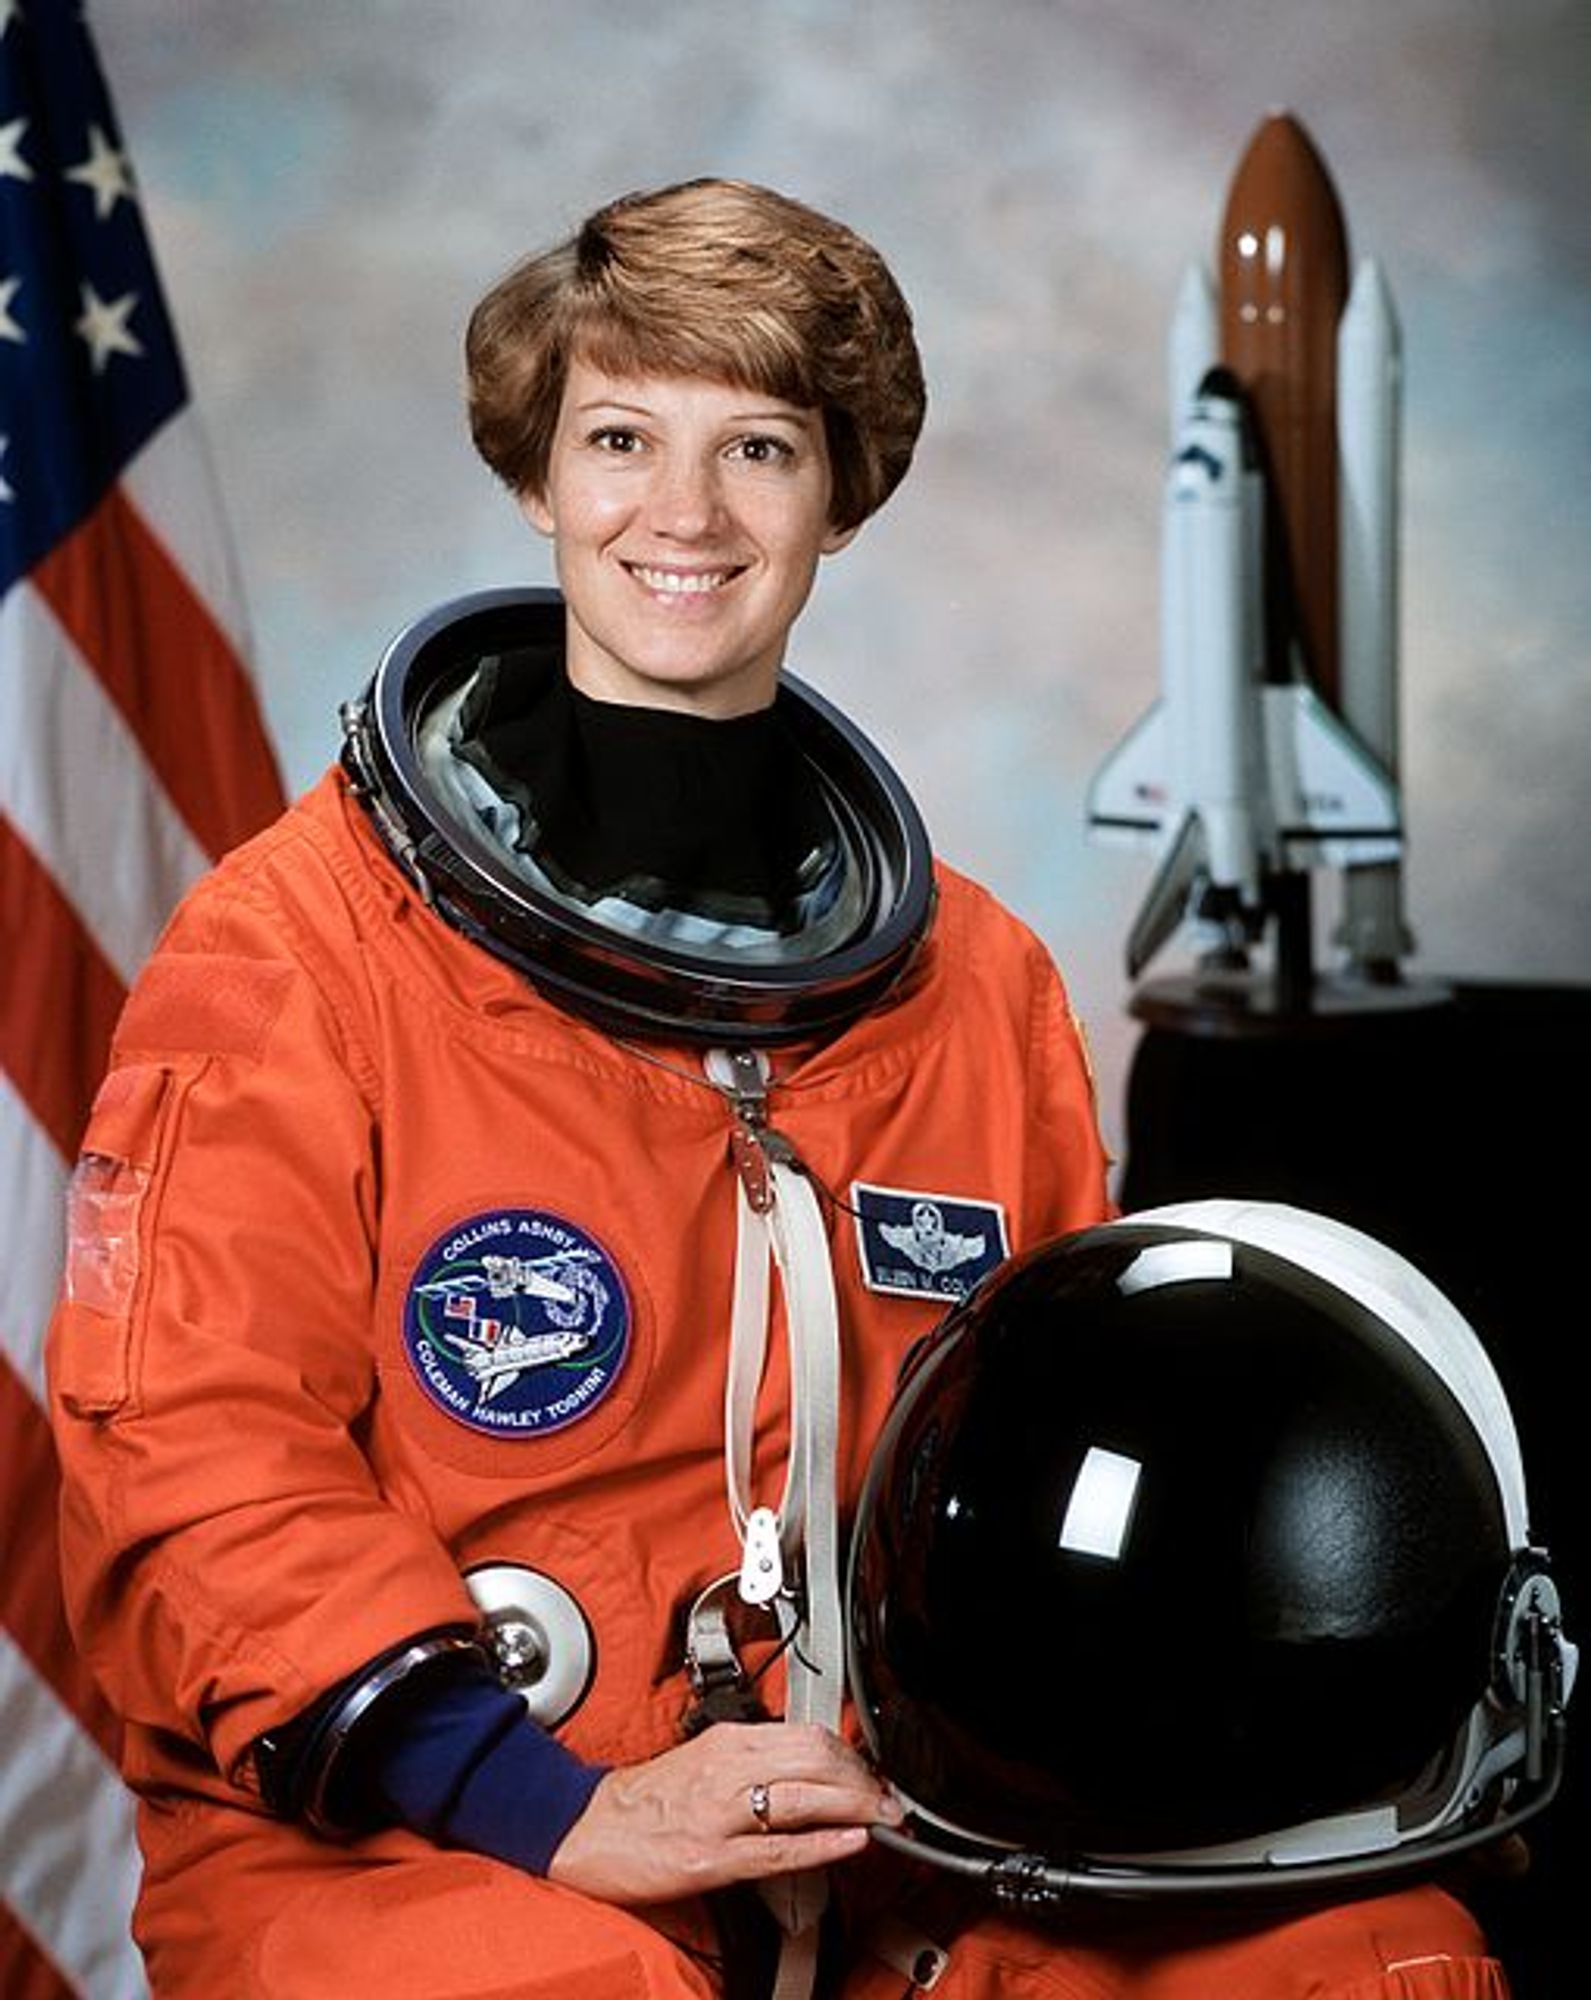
920, 1245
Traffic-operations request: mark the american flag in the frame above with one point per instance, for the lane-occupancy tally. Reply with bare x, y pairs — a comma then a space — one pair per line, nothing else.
132, 754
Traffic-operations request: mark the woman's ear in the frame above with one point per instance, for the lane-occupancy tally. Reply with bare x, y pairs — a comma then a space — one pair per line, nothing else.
533, 506
839, 538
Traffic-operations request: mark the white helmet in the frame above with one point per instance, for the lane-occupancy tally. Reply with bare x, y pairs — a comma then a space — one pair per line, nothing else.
1194, 1559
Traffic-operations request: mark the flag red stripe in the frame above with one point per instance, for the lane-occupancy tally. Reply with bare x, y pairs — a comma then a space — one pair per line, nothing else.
59, 998
30, 1590
170, 669
25, 1971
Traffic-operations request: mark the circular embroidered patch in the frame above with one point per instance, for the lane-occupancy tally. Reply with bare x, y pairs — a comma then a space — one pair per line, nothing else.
517, 1322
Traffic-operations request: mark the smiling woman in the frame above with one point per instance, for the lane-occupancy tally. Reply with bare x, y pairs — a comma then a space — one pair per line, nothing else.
601, 1019
688, 518
593, 894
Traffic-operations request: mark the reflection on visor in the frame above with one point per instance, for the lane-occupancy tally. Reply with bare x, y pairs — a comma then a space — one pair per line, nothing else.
1175, 1264
1100, 1510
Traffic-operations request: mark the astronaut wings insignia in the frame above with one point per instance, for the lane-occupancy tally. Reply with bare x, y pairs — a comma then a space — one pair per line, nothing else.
928, 1243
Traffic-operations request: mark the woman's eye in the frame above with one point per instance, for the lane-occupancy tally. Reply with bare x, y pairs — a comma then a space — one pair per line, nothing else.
762, 450
616, 439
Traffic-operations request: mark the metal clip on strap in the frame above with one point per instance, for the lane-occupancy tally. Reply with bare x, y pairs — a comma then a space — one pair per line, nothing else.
722, 1688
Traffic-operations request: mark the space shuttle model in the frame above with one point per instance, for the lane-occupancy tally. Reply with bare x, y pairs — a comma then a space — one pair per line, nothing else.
1272, 750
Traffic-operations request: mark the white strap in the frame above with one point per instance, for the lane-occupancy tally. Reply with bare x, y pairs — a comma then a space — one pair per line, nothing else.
810, 1528
807, 1516
805, 1535
748, 1353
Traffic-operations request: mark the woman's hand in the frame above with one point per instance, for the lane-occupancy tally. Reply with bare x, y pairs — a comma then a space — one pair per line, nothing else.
686, 1821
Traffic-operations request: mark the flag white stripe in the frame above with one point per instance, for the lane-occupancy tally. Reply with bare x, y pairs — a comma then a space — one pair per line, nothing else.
33, 1175
172, 484
94, 811
87, 801
73, 1880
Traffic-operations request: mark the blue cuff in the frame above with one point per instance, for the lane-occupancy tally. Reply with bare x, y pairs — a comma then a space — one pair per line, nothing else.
468, 1768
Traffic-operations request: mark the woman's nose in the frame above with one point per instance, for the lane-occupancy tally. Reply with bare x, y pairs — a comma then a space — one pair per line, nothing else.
686, 499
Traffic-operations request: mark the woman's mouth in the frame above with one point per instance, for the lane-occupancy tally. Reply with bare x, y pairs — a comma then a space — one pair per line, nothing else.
681, 582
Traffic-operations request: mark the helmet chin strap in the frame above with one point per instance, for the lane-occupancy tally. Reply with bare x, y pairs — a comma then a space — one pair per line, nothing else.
790, 1555
1030, 1881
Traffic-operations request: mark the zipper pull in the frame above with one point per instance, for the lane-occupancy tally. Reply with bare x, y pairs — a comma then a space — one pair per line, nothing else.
751, 1163
743, 1076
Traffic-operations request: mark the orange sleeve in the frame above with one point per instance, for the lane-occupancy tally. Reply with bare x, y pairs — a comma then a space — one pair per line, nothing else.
226, 1555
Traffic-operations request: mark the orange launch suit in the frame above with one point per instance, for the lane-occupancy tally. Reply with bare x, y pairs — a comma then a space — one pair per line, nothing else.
318, 1094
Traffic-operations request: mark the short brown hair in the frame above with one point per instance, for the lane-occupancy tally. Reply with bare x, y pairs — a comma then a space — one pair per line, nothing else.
712, 278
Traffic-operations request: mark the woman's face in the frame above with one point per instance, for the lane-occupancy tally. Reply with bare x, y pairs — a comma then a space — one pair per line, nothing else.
687, 519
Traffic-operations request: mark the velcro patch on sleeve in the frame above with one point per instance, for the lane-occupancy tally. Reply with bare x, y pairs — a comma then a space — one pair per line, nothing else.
204, 1004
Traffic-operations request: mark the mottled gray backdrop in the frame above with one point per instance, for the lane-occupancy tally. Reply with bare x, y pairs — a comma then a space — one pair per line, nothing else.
331, 183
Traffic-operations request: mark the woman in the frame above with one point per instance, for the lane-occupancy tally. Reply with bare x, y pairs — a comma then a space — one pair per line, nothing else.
419, 1333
